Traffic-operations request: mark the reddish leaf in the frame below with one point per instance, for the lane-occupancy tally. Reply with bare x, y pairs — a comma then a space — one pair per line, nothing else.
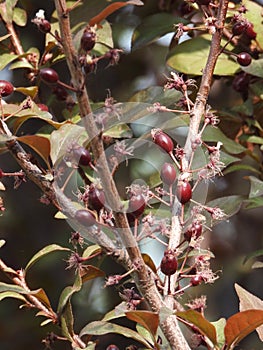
149, 262
240, 325
110, 9
39, 144
204, 326
90, 272
147, 319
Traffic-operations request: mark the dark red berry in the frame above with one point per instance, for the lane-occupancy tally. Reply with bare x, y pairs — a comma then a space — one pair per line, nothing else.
163, 140
6, 88
112, 347
244, 59
44, 26
60, 93
241, 82
42, 107
96, 198
136, 205
168, 174
88, 40
184, 192
169, 263
49, 75
239, 27
250, 33
81, 155
194, 230
196, 280
1, 173
85, 217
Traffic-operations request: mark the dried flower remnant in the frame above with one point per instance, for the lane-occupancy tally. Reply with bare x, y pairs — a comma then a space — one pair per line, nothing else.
177, 82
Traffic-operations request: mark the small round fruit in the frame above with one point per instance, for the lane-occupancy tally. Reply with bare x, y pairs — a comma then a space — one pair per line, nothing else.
88, 40
241, 82
112, 347
44, 26
1, 173
196, 280
6, 88
244, 59
195, 230
250, 33
49, 76
136, 206
168, 174
42, 107
184, 192
239, 28
169, 263
96, 198
85, 217
162, 140
82, 155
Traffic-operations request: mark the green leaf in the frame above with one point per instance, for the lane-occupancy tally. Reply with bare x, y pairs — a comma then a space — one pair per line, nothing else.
254, 16
148, 319
220, 335
197, 319
14, 295
67, 322
6, 59
4, 37
119, 131
153, 27
67, 293
21, 64
5, 287
190, 57
20, 16
28, 91
211, 134
253, 203
102, 327
255, 68
255, 139
256, 187
253, 255
157, 94
238, 167
90, 250
62, 138
145, 334
43, 252
39, 144
240, 325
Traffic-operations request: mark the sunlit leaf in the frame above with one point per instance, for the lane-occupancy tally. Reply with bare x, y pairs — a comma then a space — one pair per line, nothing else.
149, 262
255, 139
14, 295
197, 319
111, 9
119, 131
145, 334
190, 57
6, 59
4, 37
153, 27
2, 243
90, 272
147, 319
220, 335
240, 325
117, 312
40, 294
67, 321
20, 16
157, 94
249, 301
102, 327
39, 144
90, 250
67, 293
5, 287
255, 68
43, 252
28, 91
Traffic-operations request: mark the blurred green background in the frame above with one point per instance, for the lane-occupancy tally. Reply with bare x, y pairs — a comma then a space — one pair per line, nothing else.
28, 225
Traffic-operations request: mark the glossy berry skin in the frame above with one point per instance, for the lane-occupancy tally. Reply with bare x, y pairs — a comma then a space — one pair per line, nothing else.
136, 206
82, 155
196, 280
239, 28
88, 40
85, 217
163, 140
195, 230
42, 107
168, 174
241, 82
1, 173
244, 59
184, 192
250, 33
112, 347
6, 88
96, 198
169, 263
44, 26
49, 76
